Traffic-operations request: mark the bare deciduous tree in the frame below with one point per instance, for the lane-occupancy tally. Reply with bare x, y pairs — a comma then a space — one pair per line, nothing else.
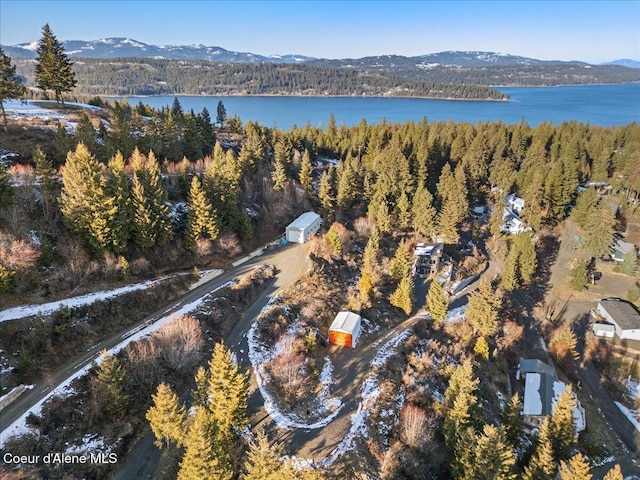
414, 425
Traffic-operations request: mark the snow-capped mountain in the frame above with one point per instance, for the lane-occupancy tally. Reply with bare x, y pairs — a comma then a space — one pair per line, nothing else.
129, 48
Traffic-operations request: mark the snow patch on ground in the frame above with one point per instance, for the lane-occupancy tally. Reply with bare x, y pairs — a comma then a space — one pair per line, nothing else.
91, 443
24, 311
19, 427
633, 388
369, 394
632, 415
456, 315
327, 408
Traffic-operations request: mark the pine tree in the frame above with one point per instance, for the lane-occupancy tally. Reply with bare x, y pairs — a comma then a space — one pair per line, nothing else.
119, 188
221, 114
151, 219
509, 279
279, 176
306, 171
264, 461
629, 263
10, 84
204, 455
512, 420
494, 457
562, 429
365, 289
599, 230
482, 309
167, 416
497, 216
578, 275
403, 210
370, 255
53, 68
333, 237
526, 253
200, 396
448, 221
326, 195
201, 218
481, 348
437, 303
576, 469
49, 185
424, 214
227, 393
400, 265
614, 474
460, 400
542, 465
585, 203
403, 295
111, 377
85, 205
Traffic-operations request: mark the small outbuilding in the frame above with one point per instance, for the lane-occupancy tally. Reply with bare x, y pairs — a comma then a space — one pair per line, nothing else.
345, 329
605, 330
303, 227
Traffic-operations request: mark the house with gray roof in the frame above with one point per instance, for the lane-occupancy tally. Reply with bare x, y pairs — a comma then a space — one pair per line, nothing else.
541, 391
622, 315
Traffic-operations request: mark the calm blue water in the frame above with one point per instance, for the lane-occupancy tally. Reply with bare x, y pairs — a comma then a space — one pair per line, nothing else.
604, 105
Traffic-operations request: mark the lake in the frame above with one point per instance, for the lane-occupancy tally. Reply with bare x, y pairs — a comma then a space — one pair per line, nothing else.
604, 105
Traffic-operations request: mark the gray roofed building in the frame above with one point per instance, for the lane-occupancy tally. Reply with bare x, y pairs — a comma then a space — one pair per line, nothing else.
533, 365
624, 317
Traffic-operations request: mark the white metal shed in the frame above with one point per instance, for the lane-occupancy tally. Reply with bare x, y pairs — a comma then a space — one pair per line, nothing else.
303, 227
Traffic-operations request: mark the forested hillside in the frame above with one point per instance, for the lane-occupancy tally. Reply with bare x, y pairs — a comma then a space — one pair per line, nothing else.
162, 77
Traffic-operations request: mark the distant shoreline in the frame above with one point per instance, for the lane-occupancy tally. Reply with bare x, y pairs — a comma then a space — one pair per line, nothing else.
367, 97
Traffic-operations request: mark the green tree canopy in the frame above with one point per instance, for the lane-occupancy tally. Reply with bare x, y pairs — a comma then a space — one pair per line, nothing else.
53, 68
10, 84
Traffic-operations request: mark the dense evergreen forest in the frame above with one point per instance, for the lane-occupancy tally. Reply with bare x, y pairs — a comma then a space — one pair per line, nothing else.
537, 75
145, 189
169, 77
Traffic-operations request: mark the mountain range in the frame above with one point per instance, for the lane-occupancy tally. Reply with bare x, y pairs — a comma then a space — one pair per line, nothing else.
106, 48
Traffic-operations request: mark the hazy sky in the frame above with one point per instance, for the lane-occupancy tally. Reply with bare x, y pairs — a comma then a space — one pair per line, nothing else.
591, 31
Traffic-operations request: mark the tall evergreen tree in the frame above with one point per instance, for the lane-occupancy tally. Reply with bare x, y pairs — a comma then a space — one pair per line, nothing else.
279, 176
542, 465
577, 468
306, 170
264, 461
494, 457
119, 187
204, 455
482, 310
228, 387
84, 202
599, 230
201, 218
221, 114
10, 84
200, 396
512, 420
437, 303
614, 474
49, 185
151, 221
402, 297
562, 429
400, 265
424, 214
167, 416
112, 377
53, 68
